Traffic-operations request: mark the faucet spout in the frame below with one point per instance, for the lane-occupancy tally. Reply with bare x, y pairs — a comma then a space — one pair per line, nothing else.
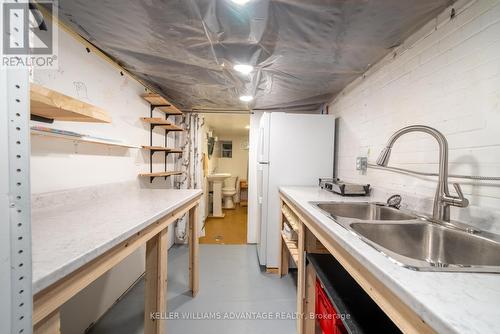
442, 200
384, 156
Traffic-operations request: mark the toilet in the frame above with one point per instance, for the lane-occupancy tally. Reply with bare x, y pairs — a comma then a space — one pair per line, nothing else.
228, 192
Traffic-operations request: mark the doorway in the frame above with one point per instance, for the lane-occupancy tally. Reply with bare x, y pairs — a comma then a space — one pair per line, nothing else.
225, 141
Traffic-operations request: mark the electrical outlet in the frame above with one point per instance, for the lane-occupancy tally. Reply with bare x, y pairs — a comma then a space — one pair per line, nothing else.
362, 163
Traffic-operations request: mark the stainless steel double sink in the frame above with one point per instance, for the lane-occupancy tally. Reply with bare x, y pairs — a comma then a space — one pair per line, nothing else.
415, 241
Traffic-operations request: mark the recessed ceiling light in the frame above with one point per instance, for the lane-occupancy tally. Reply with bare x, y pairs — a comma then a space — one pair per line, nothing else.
246, 98
245, 69
247, 127
240, 2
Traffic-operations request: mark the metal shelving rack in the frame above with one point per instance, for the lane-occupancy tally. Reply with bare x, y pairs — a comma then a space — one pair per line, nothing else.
16, 303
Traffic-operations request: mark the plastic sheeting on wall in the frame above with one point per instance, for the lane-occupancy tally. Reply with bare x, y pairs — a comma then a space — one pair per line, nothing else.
304, 52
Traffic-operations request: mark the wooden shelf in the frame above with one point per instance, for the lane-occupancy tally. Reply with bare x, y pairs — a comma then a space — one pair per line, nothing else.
160, 174
290, 218
292, 247
171, 127
155, 99
80, 139
163, 104
162, 149
155, 121
171, 110
160, 122
47, 103
175, 150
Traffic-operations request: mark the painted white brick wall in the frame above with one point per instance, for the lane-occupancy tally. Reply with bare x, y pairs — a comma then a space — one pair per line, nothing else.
447, 75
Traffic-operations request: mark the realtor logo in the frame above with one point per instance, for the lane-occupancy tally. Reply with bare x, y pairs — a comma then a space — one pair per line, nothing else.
29, 34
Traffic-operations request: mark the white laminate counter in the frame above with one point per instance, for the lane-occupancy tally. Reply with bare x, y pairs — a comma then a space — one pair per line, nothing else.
71, 228
448, 302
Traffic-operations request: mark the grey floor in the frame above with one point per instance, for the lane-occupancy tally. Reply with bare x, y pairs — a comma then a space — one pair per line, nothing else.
230, 281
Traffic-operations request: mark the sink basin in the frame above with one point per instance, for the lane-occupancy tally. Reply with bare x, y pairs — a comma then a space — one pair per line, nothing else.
430, 246
218, 177
363, 211
417, 242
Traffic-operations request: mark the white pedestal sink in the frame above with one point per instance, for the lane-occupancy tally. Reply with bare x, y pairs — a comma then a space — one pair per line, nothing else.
217, 180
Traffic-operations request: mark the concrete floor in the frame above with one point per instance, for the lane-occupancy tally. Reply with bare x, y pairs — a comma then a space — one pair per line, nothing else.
230, 281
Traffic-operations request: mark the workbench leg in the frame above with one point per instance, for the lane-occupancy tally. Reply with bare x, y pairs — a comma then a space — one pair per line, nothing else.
50, 325
284, 263
301, 269
155, 300
310, 300
193, 250
284, 254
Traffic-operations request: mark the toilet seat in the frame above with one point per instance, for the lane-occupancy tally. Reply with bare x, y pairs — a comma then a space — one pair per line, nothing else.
229, 191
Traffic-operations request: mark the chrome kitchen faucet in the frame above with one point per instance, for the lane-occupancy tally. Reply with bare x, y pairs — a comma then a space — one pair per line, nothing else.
442, 200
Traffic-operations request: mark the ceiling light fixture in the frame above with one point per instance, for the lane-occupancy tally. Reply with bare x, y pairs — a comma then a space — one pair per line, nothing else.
247, 127
245, 69
240, 2
246, 98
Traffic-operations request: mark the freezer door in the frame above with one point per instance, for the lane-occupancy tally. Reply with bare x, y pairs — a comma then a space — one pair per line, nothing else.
262, 191
264, 130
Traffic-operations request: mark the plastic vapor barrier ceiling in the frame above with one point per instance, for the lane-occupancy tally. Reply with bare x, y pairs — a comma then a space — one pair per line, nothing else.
304, 52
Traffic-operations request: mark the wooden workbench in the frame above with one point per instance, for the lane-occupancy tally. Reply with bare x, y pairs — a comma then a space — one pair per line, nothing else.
76, 239
313, 239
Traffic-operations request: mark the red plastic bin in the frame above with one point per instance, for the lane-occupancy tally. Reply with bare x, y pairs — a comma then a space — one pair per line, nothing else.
326, 315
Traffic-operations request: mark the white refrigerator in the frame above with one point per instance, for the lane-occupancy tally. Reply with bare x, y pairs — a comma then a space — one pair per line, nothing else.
295, 150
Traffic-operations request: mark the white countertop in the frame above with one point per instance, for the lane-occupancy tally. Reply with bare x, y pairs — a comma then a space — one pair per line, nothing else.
71, 228
448, 302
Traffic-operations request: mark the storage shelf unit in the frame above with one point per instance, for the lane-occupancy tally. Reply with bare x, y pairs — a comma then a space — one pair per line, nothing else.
159, 103
289, 248
80, 139
290, 218
348, 297
50, 105
292, 248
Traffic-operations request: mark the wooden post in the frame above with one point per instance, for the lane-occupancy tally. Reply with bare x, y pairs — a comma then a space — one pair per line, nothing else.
155, 300
284, 259
193, 250
50, 325
301, 268
284, 254
310, 300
